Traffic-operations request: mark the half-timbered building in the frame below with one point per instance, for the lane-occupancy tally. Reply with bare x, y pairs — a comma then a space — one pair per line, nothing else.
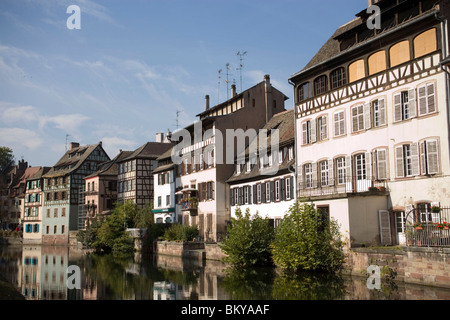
372, 121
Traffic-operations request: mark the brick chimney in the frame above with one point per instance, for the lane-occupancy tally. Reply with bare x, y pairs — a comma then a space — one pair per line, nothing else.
233, 90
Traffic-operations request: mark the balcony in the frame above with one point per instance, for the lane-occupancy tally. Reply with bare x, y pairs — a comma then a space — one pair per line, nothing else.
342, 187
188, 200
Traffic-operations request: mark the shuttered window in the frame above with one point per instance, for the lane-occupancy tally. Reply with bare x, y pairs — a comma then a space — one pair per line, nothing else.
358, 118
426, 99
385, 227
429, 157
380, 164
379, 113
407, 160
339, 123
405, 105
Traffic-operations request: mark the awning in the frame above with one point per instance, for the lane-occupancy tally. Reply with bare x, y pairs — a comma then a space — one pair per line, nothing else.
187, 190
165, 210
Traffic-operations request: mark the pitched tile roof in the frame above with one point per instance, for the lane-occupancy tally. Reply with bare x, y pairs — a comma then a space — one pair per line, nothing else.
149, 150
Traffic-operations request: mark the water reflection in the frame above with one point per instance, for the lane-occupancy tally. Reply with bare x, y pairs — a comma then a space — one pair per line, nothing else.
40, 273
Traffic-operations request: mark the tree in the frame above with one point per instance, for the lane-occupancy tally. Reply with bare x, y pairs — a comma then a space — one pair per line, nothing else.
6, 158
249, 239
306, 241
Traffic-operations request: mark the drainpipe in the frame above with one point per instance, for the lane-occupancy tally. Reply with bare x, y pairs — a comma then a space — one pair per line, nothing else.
295, 144
444, 24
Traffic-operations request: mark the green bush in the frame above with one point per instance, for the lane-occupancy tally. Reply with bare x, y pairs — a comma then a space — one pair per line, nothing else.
179, 232
304, 240
248, 242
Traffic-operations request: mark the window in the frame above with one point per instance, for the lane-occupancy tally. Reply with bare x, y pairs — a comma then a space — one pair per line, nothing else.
54, 229
210, 190
63, 212
360, 166
429, 157
287, 188
356, 70
338, 78
425, 213
304, 91
267, 185
168, 200
339, 123
55, 213
377, 62
399, 53
63, 229
425, 43
426, 99
48, 213
380, 164
407, 160
341, 170
47, 229
308, 132
320, 85
379, 113
246, 195
358, 118
291, 153
322, 127
324, 177
404, 105
159, 202
258, 193
309, 175
277, 190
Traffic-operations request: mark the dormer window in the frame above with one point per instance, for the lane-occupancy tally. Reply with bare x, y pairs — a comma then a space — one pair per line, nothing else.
304, 91
320, 85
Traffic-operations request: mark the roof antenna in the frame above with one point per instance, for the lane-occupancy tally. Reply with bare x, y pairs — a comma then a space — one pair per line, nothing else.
241, 66
178, 112
218, 87
228, 68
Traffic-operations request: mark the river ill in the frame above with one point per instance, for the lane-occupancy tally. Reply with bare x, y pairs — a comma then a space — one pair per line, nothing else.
41, 273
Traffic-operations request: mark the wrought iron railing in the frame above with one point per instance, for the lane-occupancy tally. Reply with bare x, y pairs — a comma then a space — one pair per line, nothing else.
354, 184
428, 235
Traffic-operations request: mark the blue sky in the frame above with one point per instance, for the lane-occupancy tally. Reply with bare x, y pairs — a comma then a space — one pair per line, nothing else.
123, 76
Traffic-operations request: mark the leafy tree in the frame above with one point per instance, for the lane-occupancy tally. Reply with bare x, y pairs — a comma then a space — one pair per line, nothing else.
306, 241
6, 157
248, 242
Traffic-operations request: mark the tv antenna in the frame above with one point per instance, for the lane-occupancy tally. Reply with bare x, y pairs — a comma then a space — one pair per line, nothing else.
218, 87
228, 74
241, 66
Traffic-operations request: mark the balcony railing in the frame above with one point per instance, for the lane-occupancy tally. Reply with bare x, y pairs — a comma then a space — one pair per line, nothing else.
428, 235
190, 204
344, 185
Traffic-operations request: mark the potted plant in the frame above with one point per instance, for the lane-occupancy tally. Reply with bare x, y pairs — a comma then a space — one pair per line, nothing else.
444, 225
435, 208
418, 226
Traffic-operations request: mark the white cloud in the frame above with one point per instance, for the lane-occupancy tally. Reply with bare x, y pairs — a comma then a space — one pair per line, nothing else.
68, 122
18, 114
20, 137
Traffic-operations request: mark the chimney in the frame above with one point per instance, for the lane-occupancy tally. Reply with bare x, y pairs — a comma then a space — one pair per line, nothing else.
168, 138
159, 137
74, 145
233, 90
207, 102
268, 97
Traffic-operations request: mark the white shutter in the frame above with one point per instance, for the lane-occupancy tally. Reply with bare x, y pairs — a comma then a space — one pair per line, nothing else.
300, 185
336, 124
409, 214
367, 119
397, 107
324, 129
330, 172
432, 156
348, 168
422, 100
415, 159
313, 130
381, 164
382, 112
314, 174
431, 98
423, 158
412, 103
400, 172
355, 119
305, 133
385, 227
368, 166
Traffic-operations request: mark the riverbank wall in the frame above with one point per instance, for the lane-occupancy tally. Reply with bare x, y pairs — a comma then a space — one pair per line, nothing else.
416, 265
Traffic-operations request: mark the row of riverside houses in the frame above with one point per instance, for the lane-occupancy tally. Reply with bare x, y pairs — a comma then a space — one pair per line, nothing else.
367, 141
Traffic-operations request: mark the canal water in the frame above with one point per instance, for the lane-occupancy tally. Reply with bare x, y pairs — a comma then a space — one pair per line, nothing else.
61, 273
